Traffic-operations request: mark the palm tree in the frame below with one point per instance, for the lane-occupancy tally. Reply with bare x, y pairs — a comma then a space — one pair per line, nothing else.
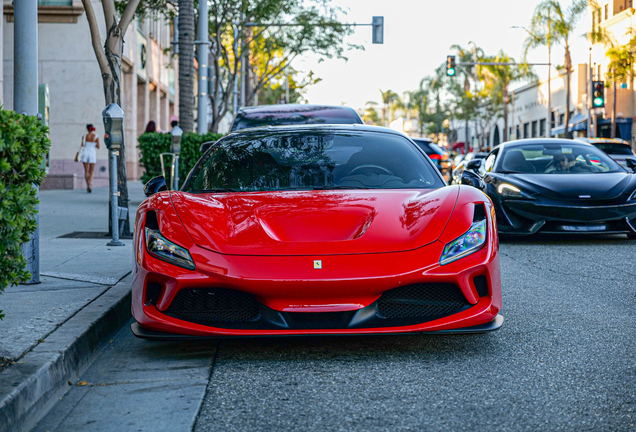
499, 77
436, 84
551, 23
470, 55
389, 98
186, 65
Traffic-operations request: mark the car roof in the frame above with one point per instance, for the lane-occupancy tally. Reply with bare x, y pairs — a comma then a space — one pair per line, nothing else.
561, 141
282, 108
602, 141
312, 127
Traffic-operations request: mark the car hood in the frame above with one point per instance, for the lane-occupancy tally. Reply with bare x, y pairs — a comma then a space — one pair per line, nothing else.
315, 222
599, 186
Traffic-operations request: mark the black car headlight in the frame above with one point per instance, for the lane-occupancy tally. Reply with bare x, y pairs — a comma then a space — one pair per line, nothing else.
469, 243
163, 249
509, 191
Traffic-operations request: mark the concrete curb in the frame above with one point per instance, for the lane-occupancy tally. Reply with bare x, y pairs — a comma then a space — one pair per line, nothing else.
26, 386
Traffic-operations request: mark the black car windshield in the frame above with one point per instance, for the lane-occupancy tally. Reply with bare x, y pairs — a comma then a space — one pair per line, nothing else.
286, 116
308, 160
616, 149
552, 158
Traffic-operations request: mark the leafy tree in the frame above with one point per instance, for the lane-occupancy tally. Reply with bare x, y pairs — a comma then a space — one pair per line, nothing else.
468, 55
371, 115
389, 100
274, 90
498, 79
248, 30
552, 23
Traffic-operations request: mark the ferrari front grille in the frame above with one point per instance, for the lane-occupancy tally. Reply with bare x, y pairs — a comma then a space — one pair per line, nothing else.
421, 300
214, 305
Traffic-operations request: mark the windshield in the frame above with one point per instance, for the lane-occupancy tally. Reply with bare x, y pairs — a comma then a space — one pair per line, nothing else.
286, 116
557, 159
306, 160
616, 149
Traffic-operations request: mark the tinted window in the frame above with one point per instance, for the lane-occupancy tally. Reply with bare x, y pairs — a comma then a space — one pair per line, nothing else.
557, 159
285, 116
618, 149
293, 160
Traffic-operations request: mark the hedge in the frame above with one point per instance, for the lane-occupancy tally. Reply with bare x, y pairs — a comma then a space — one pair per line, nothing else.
24, 142
151, 145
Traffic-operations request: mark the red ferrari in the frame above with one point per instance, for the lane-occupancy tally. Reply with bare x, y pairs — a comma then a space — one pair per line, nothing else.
299, 230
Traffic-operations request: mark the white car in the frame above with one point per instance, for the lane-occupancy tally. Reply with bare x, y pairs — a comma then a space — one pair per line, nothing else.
617, 149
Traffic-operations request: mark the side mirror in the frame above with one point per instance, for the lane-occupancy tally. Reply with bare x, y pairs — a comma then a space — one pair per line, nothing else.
631, 164
154, 185
206, 145
474, 164
472, 179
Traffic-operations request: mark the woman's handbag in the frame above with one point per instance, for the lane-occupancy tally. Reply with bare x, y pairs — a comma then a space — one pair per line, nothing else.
78, 155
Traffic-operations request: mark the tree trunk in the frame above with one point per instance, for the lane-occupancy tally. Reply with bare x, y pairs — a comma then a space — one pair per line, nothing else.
614, 110
186, 65
568, 66
505, 113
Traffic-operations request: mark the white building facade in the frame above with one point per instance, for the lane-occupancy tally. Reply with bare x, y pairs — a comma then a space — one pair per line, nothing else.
67, 63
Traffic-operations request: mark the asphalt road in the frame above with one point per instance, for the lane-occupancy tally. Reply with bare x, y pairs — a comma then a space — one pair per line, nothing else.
564, 360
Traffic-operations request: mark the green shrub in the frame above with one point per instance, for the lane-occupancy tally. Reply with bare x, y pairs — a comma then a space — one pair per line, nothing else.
23, 144
151, 145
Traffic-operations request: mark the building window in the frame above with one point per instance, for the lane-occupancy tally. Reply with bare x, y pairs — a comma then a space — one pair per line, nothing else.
534, 129
517, 133
55, 2
526, 130
552, 120
542, 128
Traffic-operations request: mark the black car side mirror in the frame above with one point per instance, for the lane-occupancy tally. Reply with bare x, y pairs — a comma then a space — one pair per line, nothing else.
206, 145
154, 185
631, 164
471, 179
474, 164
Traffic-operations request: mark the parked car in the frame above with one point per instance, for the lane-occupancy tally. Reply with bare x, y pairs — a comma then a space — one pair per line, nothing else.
314, 230
617, 149
292, 114
438, 155
459, 169
556, 186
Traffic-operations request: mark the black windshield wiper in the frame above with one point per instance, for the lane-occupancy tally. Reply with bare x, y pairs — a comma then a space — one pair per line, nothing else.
339, 187
216, 190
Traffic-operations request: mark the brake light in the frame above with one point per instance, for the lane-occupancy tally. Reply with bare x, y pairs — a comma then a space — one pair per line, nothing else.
435, 156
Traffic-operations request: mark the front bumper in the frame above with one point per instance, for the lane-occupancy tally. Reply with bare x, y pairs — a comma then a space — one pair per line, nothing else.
523, 217
296, 299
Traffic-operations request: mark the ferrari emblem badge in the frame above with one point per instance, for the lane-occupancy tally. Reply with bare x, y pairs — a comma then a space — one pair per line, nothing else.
317, 264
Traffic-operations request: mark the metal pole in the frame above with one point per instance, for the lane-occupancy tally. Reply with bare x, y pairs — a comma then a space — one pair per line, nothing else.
114, 199
25, 100
176, 173
202, 54
590, 92
235, 98
549, 124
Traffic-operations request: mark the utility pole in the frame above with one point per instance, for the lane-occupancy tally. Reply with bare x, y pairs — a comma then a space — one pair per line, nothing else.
202, 58
25, 100
590, 92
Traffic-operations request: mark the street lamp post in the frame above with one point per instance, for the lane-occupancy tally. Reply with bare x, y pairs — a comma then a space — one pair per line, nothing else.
175, 134
113, 117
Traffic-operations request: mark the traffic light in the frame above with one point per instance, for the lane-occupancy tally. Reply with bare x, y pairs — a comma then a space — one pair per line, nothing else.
378, 29
598, 94
450, 65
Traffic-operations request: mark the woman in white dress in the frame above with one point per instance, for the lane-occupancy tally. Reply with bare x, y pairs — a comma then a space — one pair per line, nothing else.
90, 142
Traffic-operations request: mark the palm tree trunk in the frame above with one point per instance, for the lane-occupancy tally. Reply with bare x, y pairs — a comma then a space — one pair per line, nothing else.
186, 65
614, 112
568, 65
505, 114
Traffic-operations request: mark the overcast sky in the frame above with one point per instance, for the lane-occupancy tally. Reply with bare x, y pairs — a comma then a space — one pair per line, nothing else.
417, 38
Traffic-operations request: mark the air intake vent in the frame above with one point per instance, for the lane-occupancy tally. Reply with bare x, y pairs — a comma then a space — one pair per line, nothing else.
151, 220
421, 300
213, 305
482, 285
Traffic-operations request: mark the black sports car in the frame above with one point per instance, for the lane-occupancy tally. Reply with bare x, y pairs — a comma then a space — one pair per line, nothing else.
556, 186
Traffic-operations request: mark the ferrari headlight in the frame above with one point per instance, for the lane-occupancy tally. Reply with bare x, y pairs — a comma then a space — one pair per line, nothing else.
473, 240
509, 191
163, 249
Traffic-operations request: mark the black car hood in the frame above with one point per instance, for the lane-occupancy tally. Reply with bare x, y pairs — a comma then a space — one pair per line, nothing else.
598, 186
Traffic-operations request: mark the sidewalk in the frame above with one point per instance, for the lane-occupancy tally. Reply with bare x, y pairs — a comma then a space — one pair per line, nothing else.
77, 276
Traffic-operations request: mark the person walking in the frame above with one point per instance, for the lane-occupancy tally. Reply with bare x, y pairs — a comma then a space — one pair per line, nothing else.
90, 142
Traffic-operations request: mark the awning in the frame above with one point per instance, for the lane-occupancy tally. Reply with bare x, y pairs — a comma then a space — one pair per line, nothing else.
577, 123
624, 126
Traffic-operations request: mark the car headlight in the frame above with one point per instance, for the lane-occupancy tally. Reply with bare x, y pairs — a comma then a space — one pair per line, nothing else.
509, 191
163, 249
470, 242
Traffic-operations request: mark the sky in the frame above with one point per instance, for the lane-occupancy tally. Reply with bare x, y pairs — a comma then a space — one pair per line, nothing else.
417, 38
